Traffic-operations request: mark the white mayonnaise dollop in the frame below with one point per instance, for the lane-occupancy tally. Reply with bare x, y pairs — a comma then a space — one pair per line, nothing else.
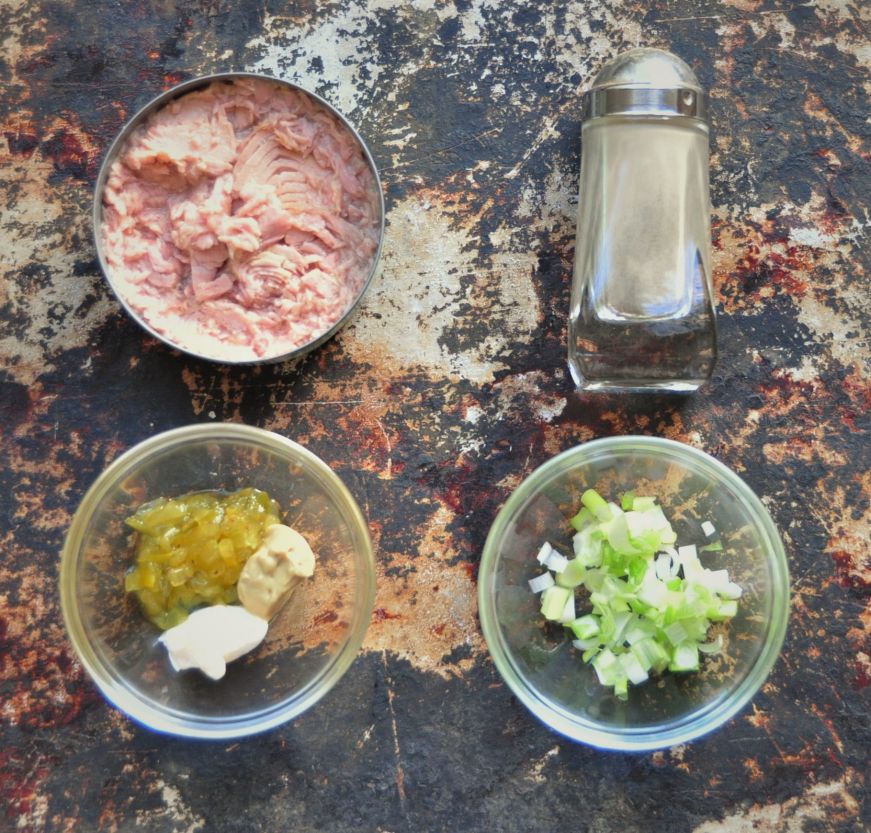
213, 636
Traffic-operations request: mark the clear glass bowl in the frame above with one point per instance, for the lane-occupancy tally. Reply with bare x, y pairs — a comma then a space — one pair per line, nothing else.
537, 659
311, 642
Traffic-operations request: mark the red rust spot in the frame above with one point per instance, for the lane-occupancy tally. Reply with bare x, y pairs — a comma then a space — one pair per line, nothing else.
171, 79
785, 386
848, 417
21, 144
461, 490
373, 442
438, 630
18, 794
832, 219
43, 61
859, 391
68, 155
380, 614
327, 616
808, 762
862, 679
774, 268
154, 54
471, 570
395, 387
846, 570
658, 758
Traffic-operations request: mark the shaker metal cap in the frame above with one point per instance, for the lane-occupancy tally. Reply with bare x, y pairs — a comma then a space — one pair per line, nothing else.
645, 82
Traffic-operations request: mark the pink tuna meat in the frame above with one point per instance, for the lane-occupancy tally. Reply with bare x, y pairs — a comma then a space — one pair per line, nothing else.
241, 221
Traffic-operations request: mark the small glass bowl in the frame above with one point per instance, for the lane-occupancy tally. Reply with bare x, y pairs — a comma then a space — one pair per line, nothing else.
311, 642
538, 661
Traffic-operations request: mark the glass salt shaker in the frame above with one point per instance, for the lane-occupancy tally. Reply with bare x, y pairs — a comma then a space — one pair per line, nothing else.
642, 314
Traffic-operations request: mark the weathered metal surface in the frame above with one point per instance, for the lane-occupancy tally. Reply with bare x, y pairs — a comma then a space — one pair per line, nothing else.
448, 388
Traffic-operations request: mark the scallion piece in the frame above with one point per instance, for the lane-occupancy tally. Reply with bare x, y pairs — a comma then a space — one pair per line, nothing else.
596, 504
544, 553
542, 582
585, 626
556, 561
582, 519
553, 602
572, 575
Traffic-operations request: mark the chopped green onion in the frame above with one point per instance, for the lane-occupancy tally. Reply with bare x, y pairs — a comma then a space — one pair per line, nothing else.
726, 610
553, 602
621, 688
585, 626
685, 657
651, 655
584, 517
676, 633
712, 647
596, 504
607, 667
651, 605
640, 630
568, 614
632, 668
588, 549
573, 574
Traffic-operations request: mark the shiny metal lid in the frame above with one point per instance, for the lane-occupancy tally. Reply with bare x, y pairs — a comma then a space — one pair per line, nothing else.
645, 82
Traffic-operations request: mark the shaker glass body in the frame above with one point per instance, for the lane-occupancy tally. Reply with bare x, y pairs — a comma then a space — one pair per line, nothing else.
642, 316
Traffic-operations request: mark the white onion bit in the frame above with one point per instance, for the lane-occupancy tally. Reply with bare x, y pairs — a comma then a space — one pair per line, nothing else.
712, 647
687, 553
663, 567
542, 582
544, 553
556, 562
568, 614
709, 529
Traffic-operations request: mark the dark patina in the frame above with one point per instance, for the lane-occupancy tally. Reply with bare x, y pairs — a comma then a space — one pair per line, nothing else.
448, 388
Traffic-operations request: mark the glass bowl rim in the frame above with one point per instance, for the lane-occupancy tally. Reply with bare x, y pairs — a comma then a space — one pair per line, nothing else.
111, 684
703, 719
